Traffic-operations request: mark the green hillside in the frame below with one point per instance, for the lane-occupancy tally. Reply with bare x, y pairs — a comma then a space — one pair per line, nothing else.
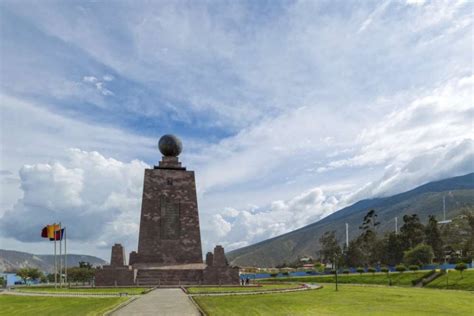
424, 200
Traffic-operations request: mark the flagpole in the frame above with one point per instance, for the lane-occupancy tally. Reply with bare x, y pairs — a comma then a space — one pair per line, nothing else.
60, 257
65, 254
55, 262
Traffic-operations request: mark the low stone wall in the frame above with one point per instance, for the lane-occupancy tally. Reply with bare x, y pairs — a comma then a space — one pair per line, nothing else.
221, 275
114, 276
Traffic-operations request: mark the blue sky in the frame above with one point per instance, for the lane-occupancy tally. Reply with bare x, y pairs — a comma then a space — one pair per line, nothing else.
288, 110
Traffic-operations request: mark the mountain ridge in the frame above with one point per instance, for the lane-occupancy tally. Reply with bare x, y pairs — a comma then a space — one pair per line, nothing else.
298, 242
11, 260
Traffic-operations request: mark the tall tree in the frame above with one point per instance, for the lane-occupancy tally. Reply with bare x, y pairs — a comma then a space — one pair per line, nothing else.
433, 238
412, 232
329, 247
393, 249
367, 240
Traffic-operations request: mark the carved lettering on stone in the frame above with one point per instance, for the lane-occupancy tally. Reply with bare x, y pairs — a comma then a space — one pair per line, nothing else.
170, 225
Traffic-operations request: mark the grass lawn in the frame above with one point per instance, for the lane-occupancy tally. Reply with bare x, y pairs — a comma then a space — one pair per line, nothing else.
350, 300
266, 287
36, 305
49, 289
454, 281
398, 279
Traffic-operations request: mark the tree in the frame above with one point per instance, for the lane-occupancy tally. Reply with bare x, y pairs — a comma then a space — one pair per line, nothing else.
29, 274
412, 231
84, 264
345, 271
23, 274
371, 270
384, 270
78, 274
354, 256
420, 255
367, 240
360, 270
330, 248
393, 247
433, 238
461, 267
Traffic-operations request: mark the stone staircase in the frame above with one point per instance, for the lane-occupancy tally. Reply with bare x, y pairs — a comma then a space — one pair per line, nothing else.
158, 277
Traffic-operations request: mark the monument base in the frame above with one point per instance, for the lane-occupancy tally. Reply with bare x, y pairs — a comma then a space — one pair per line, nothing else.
215, 271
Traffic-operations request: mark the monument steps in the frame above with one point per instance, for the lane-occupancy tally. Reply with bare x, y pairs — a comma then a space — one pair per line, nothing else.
169, 277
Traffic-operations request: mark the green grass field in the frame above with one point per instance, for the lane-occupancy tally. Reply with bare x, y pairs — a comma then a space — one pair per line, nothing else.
36, 305
350, 300
398, 279
49, 289
454, 281
220, 289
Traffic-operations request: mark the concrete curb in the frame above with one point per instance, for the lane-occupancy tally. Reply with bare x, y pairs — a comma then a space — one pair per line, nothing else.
119, 306
306, 288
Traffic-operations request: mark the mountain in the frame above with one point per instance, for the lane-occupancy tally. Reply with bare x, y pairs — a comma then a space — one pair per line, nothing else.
423, 200
12, 260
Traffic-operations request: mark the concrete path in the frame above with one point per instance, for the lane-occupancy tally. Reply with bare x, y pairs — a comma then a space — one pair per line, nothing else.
166, 302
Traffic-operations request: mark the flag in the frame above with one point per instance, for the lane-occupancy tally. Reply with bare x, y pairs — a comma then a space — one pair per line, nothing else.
58, 235
52, 229
44, 232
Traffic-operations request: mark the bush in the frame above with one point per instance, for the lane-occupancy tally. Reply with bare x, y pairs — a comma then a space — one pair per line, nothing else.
360, 270
273, 275
414, 267
285, 273
401, 268
345, 271
461, 267
384, 269
371, 270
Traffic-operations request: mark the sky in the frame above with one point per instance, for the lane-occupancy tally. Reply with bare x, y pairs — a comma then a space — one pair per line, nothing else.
287, 110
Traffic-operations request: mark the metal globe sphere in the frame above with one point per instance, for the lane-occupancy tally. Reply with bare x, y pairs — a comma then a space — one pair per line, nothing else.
170, 145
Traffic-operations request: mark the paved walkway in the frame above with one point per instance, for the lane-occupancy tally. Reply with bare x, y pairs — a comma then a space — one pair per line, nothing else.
165, 302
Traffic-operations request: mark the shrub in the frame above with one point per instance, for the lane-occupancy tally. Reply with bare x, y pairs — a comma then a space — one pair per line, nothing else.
384, 269
360, 270
401, 268
285, 273
273, 275
345, 271
414, 267
461, 267
371, 270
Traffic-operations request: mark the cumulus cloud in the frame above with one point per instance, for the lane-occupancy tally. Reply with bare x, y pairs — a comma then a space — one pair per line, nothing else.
237, 228
97, 198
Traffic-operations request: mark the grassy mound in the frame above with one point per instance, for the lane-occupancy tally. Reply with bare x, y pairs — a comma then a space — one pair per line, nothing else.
350, 300
224, 289
398, 279
43, 305
455, 282
49, 289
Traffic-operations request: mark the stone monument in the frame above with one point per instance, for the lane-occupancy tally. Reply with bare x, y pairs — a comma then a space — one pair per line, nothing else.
169, 244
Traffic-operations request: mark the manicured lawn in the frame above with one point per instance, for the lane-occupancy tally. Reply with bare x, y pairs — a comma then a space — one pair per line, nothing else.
454, 281
48, 289
266, 287
36, 305
350, 300
398, 279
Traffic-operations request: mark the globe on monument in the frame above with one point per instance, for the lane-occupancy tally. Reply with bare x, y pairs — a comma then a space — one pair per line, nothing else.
170, 145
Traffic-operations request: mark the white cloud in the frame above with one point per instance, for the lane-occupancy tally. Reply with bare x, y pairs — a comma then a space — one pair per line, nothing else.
98, 199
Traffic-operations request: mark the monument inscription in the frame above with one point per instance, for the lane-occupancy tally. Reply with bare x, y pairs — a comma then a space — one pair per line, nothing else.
170, 226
